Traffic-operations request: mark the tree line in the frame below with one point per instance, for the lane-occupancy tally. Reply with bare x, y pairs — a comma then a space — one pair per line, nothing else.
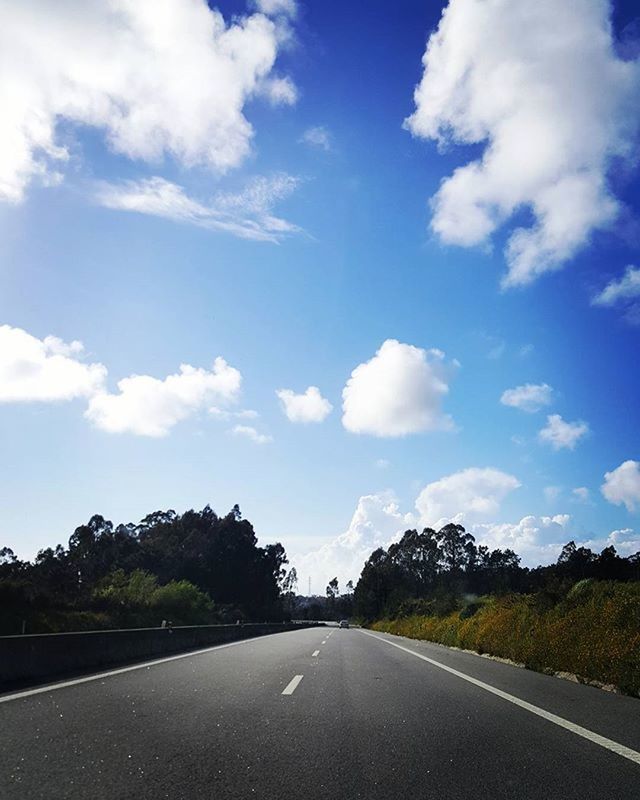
189, 568
437, 572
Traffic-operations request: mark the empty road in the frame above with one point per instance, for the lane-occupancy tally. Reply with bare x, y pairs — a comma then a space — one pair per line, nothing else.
320, 713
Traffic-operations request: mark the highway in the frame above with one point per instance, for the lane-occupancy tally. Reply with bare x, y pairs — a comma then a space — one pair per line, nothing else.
320, 713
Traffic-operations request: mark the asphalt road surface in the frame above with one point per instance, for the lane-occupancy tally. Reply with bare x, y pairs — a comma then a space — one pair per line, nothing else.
320, 713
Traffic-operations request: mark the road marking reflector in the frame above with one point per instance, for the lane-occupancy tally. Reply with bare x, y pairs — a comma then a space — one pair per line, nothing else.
315, 653
609, 744
292, 685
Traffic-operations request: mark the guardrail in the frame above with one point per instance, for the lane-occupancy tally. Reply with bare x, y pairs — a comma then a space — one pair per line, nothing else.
37, 657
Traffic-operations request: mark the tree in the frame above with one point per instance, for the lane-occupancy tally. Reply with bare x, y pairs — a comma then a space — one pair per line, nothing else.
458, 547
418, 557
289, 586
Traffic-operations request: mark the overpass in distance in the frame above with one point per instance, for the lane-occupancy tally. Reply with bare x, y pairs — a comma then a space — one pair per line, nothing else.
319, 713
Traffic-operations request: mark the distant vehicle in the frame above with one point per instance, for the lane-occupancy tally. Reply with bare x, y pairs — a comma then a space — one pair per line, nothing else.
344, 623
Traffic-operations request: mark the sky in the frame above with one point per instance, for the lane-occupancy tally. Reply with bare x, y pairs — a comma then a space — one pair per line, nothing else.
356, 267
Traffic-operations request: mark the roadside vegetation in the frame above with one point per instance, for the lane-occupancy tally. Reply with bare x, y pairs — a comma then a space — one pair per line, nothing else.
579, 616
189, 569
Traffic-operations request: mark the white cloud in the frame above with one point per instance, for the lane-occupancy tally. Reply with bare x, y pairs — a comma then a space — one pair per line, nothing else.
147, 406
310, 406
622, 485
560, 434
537, 540
580, 494
531, 397
247, 214
44, 370
399, 391
466, 495
275, 7
251, 433
317, 136
158, 79
541, 85
624, 292
226, 415
626, 541
382, 463
281, 91
375, 523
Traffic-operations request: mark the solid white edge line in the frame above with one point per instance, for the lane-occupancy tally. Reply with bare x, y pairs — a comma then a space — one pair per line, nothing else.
97, 676
608, 744
315, 653
292, 685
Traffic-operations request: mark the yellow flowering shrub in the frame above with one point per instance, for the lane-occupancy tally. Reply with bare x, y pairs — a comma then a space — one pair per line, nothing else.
594, 632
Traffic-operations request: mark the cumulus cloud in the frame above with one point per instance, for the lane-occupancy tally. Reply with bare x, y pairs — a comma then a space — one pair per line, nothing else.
317, 136
378, 521
531, 397
251, 433
623, 293
562, 435
465, 496
44, 370
247, 214
310, 406
148, 406
541, 85
626, 541
375, 523
537, 540
157, 79
398, 392
622, 485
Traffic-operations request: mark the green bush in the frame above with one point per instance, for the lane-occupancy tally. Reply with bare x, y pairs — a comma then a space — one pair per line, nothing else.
182, 603
136, 599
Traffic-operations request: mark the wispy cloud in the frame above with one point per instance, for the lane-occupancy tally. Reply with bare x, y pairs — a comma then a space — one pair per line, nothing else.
623, 293
530, 397
247, 214
317, 136
251, 433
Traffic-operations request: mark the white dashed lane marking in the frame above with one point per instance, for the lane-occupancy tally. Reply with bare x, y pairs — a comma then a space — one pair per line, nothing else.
293, 684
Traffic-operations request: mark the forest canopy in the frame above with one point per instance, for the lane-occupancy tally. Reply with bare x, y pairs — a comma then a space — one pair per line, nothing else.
189, 568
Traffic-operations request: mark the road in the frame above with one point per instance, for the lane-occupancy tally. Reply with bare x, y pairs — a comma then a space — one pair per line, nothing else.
320, 713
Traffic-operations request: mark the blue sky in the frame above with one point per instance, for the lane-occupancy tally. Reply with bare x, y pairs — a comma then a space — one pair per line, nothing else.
363, 254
